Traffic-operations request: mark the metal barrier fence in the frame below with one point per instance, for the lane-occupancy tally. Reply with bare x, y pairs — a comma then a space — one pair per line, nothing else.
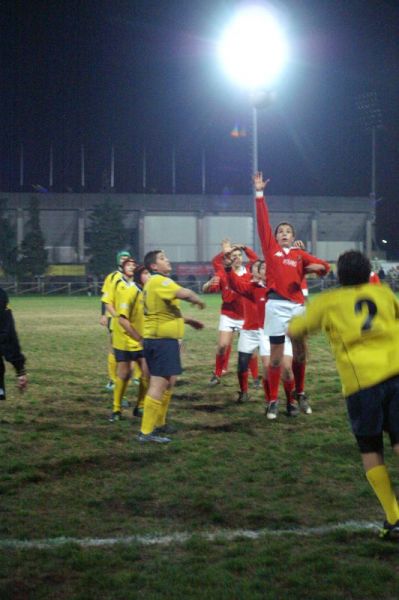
76, 288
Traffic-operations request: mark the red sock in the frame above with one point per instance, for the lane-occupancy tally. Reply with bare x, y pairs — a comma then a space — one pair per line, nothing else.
273, 375
243, 381
219, 365
253, 367
226, 358
266, 389
299, 376
289, 386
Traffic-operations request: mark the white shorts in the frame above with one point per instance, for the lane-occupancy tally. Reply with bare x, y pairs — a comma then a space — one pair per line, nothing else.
251, 340
278, 315
228, 324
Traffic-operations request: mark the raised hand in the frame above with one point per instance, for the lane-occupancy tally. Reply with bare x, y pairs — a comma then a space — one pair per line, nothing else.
259, 183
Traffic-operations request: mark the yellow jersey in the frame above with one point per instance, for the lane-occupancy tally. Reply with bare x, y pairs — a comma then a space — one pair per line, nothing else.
362, 324
128, 301
107, 290
162, 316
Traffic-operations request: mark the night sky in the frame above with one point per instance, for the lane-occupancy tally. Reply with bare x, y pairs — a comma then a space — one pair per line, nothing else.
135, 73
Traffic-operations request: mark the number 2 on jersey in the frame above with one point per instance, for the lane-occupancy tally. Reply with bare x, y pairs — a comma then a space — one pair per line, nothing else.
371, 312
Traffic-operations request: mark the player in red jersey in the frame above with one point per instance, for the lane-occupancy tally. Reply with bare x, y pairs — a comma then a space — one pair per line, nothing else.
231, 317
252, 335
286, 268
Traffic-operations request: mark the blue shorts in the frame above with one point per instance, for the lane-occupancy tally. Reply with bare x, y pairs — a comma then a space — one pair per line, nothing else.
375, 409
127, 355
163, 357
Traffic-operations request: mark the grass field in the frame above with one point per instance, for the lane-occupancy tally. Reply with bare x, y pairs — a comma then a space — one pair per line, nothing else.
66, 472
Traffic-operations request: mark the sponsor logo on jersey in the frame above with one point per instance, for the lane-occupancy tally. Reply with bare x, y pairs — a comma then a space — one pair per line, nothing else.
290, 262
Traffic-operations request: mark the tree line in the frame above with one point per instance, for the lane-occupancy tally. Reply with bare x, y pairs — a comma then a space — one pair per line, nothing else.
30, 259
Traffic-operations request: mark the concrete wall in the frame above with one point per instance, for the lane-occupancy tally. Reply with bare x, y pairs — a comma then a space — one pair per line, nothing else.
190, 227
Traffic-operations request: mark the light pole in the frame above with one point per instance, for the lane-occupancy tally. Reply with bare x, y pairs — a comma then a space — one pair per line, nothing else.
253, 52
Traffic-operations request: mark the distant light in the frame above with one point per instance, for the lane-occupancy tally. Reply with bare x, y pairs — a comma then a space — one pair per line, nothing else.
253, 49
384, 241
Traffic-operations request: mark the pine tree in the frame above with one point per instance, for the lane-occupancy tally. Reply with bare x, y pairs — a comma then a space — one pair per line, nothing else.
107, 236
33, 255
8, 242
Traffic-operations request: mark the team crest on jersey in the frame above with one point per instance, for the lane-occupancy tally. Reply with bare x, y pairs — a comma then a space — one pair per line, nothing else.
166, 282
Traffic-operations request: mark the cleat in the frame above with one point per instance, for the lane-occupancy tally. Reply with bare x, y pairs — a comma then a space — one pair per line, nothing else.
110, 386
304, 403
390, 532
242, 397
116, 416
168, 429
256, 384
272, 410
137, 412
292, 409
152, 437
214, 380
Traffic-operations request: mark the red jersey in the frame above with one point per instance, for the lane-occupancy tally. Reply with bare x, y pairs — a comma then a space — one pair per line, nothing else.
231, 301
254, 296
285, 266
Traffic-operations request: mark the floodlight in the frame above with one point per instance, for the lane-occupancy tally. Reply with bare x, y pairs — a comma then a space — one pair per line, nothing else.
253, 49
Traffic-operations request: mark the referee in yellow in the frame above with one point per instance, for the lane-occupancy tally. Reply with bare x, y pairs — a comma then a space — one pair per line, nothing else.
361, 321
163, 328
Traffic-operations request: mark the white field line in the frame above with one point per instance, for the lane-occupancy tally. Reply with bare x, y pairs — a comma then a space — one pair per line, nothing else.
183, 537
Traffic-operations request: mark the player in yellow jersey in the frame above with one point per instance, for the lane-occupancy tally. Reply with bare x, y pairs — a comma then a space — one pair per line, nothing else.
127, 333
107, 311
163, 328
361, 321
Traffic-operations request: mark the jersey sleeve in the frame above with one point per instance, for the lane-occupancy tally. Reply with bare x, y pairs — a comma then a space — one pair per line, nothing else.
105, 288
168, 288
309, 259
266, 236
241, 285
217, 261
310, 321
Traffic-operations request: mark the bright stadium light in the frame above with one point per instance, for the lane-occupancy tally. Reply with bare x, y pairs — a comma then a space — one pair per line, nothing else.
253, 49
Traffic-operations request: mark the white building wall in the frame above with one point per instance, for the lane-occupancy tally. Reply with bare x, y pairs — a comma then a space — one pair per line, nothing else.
329, 250
237, 228
176, 234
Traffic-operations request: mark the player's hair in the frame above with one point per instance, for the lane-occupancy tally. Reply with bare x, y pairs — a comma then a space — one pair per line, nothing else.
285, 223
151, 258
137, 274
353, 268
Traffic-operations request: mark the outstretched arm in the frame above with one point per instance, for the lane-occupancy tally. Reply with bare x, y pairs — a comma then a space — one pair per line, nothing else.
190, 296
262, 215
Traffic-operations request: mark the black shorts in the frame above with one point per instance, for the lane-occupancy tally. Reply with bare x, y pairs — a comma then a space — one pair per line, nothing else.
375, 409
163, 357
127, 355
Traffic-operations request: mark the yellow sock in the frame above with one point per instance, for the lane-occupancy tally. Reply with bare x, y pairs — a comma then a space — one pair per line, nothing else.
143, 387
136, 371
119, 390
378, 478
165, 405
150, 415
112, 366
